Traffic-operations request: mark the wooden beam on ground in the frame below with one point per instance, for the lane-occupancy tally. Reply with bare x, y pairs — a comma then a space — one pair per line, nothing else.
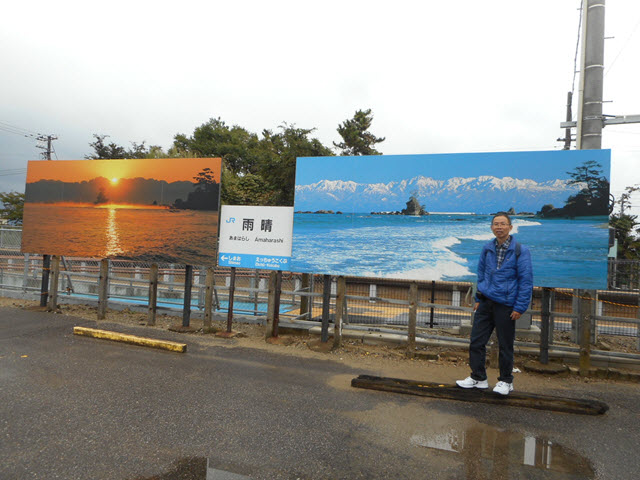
132, 339
452, 392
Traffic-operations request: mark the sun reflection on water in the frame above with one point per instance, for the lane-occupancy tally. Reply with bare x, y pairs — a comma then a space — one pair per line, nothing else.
113, 238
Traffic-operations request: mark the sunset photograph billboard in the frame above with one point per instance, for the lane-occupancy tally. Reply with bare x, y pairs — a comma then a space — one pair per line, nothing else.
155, 210
426, 217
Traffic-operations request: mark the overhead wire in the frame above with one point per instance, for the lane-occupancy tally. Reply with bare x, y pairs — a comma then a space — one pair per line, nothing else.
633, 31
7, 127
575, 58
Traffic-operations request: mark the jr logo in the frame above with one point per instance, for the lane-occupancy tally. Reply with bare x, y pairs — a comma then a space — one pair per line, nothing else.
231, 220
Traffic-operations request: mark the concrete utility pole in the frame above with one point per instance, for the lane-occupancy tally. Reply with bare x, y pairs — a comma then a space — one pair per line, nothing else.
47, 149
591, 120
46, 259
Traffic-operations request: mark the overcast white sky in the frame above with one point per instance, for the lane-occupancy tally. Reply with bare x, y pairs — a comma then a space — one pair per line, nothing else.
440, 76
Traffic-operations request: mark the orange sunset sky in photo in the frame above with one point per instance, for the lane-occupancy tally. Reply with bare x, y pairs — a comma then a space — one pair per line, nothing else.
167, 169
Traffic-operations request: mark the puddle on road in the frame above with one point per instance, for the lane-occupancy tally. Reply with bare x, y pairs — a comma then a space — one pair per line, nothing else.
196, 468
487, 452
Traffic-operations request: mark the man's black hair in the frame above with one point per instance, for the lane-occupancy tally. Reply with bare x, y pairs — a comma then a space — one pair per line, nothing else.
502, 214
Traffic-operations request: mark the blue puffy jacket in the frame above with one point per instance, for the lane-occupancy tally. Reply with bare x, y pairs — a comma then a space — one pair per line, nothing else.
512, 283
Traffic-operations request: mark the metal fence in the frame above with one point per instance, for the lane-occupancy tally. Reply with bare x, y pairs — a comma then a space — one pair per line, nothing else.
369, 301
624, 275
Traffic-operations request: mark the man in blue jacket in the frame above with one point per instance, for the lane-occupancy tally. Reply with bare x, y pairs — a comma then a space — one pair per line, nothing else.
505, 284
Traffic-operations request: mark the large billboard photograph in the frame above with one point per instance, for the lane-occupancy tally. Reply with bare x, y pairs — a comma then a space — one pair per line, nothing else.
426, 217
156, 210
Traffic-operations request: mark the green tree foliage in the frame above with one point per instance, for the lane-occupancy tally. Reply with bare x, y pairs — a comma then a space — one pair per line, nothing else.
206, 193
247, 189
594, 196
12, 206
627, 227
356, 138
110, 151
279, 167
240, 149
257, 171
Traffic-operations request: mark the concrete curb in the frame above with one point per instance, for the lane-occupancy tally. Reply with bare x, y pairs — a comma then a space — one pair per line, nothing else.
132, 339
608, 373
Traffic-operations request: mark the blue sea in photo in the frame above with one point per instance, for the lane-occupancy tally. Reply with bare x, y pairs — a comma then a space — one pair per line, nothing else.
570, 253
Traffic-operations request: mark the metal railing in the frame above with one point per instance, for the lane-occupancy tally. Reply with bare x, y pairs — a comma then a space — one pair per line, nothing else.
369, 301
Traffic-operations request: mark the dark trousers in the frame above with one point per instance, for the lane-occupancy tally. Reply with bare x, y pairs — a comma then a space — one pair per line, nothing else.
492, 315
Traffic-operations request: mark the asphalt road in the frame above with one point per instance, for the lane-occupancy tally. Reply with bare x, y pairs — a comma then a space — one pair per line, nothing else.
79, 408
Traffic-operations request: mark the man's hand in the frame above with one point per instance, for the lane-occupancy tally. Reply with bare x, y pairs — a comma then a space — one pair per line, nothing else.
515, 315
475, 307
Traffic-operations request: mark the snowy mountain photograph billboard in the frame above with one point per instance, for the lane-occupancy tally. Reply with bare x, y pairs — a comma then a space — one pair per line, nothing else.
426, 217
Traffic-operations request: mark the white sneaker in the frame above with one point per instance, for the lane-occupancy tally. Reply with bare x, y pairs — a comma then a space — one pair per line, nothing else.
471, 383
503, 388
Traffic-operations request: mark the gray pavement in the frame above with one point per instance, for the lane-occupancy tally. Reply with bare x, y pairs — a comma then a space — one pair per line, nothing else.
79, 408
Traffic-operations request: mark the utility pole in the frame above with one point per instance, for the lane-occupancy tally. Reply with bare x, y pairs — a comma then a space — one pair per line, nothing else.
591, 120
46, 259
47, 149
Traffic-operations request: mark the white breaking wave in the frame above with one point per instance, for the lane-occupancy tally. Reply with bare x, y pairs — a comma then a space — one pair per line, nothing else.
445, 243
439, 271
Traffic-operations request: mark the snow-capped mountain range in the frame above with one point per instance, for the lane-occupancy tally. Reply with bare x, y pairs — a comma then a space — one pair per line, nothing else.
483, 194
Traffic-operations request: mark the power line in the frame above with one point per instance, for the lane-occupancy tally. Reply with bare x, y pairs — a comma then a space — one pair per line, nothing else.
22, 171
16, 132
575, 58
7, 127
623, 47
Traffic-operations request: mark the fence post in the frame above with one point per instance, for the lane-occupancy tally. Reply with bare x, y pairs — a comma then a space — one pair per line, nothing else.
44, 287
55, 276
584, 319
433, 300
103, 288
304, 299
326, 300
201, 286
210, 281
153, 294
552, 308
340, 304
232, 293
576, 327
276, 304
594, 314
271, 304
545, 308
186, 309
638, 324
25, 278
413, 318
255, 283
311, 298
